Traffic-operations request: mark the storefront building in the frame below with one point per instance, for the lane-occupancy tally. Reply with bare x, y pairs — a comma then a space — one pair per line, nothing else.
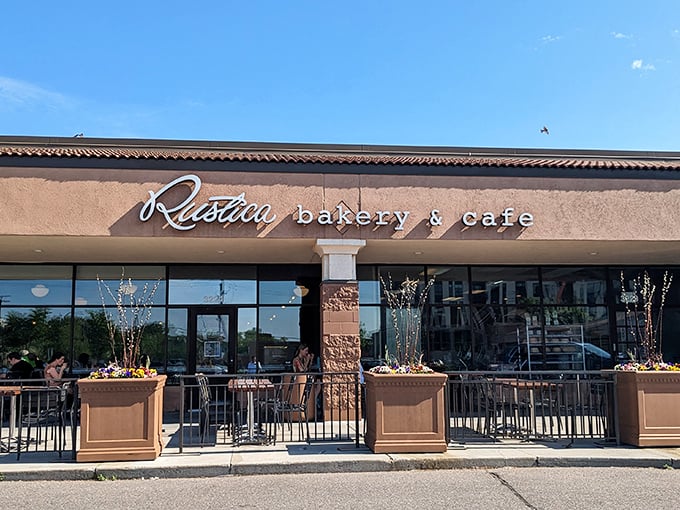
255, 248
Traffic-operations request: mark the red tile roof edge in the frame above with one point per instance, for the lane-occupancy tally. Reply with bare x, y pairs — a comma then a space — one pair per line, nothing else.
296, 154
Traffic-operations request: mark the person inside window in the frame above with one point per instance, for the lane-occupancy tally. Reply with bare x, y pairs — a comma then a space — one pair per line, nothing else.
303, 359
19, 368
254, 366
55, 369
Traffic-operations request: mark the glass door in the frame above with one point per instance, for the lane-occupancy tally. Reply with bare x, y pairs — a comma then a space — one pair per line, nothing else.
212, 345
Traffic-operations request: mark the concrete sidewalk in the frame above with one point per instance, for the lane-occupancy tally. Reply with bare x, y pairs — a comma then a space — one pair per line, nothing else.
326, 457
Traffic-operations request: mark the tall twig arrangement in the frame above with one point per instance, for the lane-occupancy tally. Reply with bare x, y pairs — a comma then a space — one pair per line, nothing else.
127, 321
406, 309
647, 332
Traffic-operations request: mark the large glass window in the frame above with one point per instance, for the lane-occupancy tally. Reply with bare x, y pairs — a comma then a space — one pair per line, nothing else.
210, 285
370, 336
93, 346
107, 285
289, 285
35, 285
475, 317
574, 286
450, 285
39, 330
247, 342
177, 342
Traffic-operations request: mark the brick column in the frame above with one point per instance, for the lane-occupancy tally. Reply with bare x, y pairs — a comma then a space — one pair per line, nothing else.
340, 341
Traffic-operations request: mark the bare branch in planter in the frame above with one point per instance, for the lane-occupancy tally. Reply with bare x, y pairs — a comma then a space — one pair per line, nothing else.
406, 310
126, 324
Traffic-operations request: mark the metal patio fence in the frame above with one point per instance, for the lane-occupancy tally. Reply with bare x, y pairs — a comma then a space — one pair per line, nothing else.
36, 418
269, 408
547, 406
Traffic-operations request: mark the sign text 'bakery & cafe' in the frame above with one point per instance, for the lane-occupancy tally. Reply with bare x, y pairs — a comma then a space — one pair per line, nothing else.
185, 214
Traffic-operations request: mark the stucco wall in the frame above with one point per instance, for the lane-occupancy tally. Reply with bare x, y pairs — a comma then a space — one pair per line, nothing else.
107, 203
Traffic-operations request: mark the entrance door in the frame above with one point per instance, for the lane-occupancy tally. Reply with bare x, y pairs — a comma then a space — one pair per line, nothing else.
212, 340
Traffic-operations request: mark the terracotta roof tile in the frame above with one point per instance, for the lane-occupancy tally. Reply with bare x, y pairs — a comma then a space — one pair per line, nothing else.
297, 154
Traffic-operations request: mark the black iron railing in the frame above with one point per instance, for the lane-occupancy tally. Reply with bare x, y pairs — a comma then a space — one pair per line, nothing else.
548, 406
36, 418
269, 408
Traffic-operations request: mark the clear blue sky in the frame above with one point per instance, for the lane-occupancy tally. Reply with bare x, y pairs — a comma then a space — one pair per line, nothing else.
601, 74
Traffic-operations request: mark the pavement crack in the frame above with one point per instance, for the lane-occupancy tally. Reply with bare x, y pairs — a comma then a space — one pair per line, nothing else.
513, 490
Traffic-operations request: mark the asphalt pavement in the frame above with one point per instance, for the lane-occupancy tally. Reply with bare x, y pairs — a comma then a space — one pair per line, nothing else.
329, 457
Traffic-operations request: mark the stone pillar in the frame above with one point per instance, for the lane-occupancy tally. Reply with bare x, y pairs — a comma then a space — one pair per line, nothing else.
340, 341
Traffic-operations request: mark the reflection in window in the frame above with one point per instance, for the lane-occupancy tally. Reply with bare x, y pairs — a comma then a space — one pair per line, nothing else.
370, 336
279, 334
91, 337
35, 285
449, 340
574, 286
450, 285
247, 339
132, 281
41, 331
369, 286
177, 343
505, 286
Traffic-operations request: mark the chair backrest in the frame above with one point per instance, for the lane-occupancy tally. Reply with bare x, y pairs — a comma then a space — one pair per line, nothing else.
307, 391
203, 390
285, 390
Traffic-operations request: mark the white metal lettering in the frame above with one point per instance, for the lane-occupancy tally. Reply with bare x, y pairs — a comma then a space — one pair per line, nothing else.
186, 214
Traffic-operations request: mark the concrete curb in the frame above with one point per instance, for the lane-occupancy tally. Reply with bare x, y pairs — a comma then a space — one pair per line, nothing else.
110, 471
335, 458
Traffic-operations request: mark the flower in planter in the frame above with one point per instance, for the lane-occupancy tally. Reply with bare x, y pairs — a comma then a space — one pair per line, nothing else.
406, 309
125, 324
116, 372
646, 331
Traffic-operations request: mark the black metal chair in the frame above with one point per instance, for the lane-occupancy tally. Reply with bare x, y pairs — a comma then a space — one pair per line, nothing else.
204, 400
289, 403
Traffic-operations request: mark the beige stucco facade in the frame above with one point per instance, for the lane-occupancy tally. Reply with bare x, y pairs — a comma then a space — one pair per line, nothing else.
89, 214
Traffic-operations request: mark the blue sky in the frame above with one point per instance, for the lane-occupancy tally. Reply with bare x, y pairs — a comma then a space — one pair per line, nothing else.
600, 74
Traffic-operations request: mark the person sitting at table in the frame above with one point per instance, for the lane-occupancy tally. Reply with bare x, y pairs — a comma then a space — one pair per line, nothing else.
303, 359
19, 368
55, 369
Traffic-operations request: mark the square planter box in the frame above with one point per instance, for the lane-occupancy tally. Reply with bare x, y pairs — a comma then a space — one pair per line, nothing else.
405, 413
648, 408
120, 419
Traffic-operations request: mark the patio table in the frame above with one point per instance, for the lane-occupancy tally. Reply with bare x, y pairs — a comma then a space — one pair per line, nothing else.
250, 386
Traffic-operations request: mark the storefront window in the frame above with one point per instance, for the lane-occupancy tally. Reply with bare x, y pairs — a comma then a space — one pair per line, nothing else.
370, 336
177, 343
97, 285
35, 286
92, 342
247, 341
450, 285
279, 335
397, 274
369, 285
449, 339
574, 286
39, 330
289, 285
212, 285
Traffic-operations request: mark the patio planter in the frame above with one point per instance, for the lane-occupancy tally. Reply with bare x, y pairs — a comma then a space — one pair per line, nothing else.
405, 413
120, 419
648, 408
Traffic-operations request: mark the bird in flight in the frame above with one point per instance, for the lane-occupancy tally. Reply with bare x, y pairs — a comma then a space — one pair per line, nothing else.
545, 130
